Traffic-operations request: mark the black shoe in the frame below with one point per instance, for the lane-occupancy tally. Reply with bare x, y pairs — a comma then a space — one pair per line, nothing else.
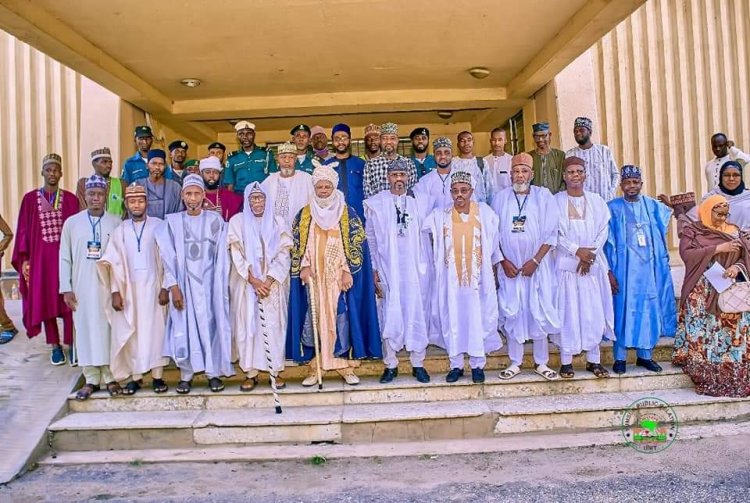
648, 364
454, 374
388, 375
619, 367
421, 374
477, 376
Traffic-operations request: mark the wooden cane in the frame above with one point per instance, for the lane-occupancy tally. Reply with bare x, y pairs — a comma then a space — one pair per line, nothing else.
316, 335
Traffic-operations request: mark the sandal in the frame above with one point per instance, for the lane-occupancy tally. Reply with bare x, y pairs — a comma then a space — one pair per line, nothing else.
159, 386
183, 387
114, 388
597, 370
249, 384
86, 391
509, 373
546, 372
567, 372
215, 384
132, 387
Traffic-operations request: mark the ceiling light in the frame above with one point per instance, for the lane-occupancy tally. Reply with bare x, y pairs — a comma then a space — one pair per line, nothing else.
445, 114
479, 72
190, 82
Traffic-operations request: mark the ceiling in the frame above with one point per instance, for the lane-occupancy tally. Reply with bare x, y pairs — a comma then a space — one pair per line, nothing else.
288, 59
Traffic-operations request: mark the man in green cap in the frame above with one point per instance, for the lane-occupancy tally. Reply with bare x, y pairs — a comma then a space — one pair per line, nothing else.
248, 164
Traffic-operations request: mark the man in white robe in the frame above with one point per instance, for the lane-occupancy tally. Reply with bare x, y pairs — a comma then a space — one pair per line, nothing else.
584, 294
193, 247
465, 248
526, 292
291, 190
84, 238
497, 165
259, 244
137, 310
399, 263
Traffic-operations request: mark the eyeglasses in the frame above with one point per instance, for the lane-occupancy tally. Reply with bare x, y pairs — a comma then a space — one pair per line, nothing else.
720, 213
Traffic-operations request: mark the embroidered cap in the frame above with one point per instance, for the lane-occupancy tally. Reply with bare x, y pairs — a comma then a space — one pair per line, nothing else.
286, 148
52, 158
522, 159
574, 161
101, 153
398, 165
96, 182
389, 128
630, 171
135, 190
372, 129
540, 127
442, 142
583, 122
461, 176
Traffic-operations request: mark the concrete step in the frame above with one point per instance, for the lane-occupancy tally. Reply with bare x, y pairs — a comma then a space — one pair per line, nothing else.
432, 448
437, 361
403, 389
376, 422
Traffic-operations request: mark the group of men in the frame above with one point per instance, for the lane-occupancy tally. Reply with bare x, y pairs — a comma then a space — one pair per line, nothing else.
326, 259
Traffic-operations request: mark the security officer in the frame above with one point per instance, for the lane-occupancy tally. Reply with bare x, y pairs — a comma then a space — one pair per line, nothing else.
178, 150
420, 141
218, 150
248, 164
301, 139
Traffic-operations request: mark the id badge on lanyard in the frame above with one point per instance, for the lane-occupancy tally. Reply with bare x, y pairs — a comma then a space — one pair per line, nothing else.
94, 246
640, 237
519, 223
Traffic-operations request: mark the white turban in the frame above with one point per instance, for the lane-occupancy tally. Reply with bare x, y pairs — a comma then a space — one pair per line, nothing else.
210, 162
325, 173
193, 180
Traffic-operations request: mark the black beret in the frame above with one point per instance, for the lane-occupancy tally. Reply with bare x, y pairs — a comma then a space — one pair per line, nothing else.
419, 130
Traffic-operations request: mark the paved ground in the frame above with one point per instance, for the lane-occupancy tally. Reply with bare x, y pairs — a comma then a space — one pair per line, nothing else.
31, 393
705, 470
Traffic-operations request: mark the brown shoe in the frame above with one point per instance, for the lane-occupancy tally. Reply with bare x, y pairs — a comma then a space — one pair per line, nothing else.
280, 384
249, 384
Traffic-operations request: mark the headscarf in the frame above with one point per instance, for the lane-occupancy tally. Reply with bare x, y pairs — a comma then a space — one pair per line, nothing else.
740, 188
704, 214
326, 212
259, 230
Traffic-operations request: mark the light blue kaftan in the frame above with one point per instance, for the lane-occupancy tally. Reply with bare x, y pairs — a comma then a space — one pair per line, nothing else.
645, 307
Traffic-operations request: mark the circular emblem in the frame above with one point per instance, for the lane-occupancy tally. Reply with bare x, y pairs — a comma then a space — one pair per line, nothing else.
649, 425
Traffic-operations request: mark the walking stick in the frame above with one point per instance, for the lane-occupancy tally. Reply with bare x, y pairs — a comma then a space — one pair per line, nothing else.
314, 321
267, 349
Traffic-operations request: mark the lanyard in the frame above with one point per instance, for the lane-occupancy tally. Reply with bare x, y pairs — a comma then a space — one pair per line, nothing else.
139, 235
443, 178
54, 201
94, 225
521, 206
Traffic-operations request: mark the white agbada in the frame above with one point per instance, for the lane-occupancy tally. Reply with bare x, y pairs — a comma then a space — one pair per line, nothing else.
195, 256
261, 245
398, 256
78, 274
585, 302
496, 174
468, 313
435, 190
528, 305
133, 265
290, 195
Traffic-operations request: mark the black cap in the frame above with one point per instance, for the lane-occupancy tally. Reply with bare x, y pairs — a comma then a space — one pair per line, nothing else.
143, 132
216, 144
420, 130
301, 127
178, 144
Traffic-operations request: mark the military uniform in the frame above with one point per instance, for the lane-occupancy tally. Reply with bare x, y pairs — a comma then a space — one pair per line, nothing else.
244, 168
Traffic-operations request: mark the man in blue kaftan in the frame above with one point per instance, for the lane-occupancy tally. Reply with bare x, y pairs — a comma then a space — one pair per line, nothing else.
638, 258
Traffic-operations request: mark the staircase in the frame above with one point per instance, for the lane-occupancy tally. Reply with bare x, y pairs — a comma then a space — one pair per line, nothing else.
400, 418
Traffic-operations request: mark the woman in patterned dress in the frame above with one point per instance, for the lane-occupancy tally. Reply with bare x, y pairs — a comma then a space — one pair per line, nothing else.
712, 346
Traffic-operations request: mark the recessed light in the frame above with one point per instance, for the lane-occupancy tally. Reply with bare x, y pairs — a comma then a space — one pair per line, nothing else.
479, 72
190, 82
445, 114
